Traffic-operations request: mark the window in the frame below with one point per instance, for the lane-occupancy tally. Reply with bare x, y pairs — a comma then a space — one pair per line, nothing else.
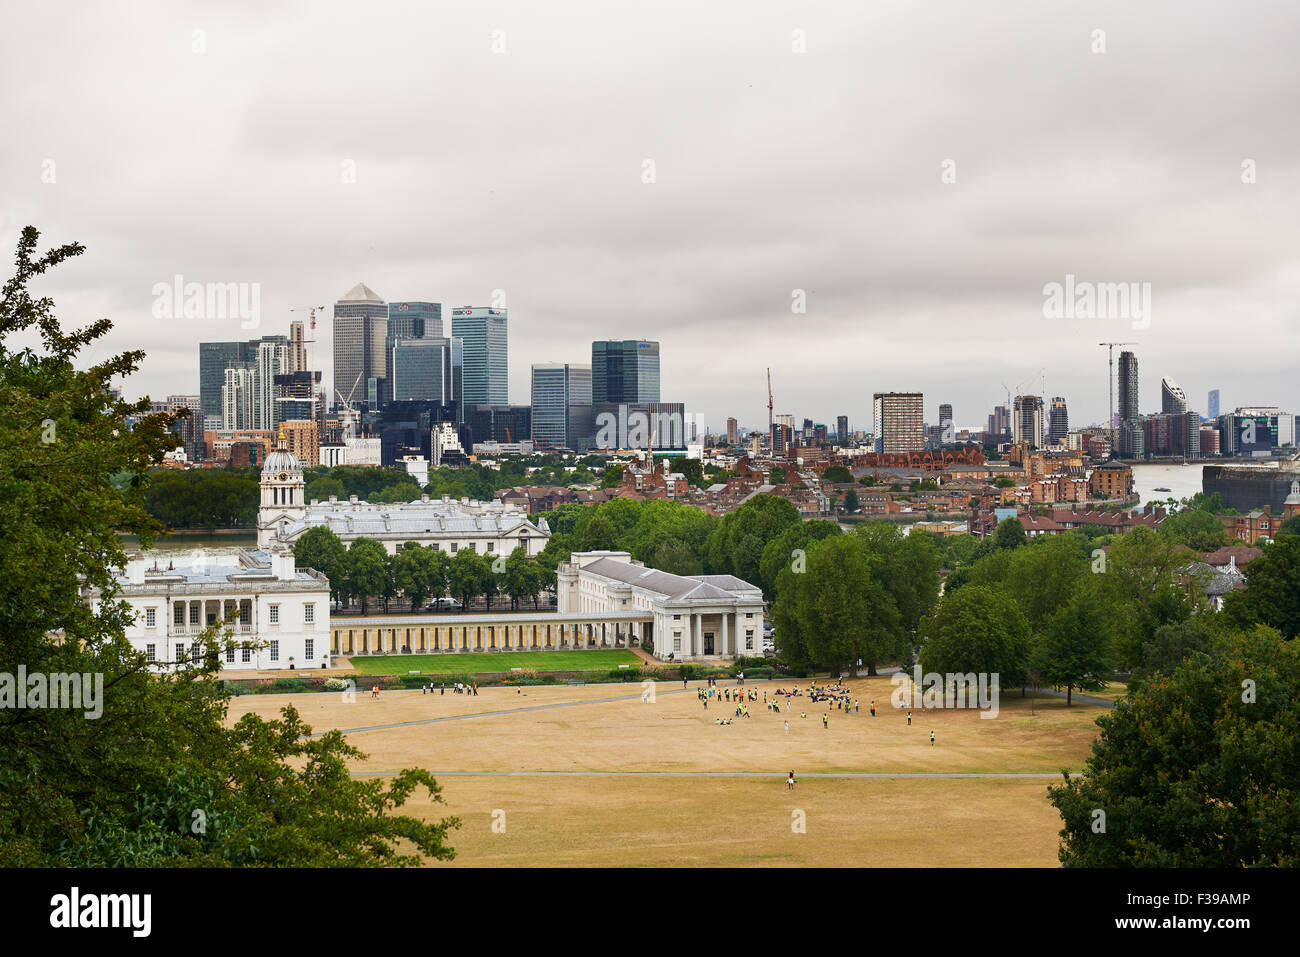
677, 641
149, 652
230, 656
399, 548
275, 651
194, 614
309, 613
309, 649
436, 546
453, 548
150, 617
473, 546
275, 614
178, 615
749, 640
180, 652
245, 654
490, 547
677, 617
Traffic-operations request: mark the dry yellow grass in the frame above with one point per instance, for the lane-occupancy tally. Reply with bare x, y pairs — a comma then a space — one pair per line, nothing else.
640, 821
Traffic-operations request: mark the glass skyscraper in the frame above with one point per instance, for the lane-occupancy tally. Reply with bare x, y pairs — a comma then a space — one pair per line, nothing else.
409, 320
482, 332
561, 415
624, 370
421, 370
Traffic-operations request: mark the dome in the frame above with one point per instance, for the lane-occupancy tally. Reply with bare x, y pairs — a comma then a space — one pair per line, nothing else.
1294, 497
281, 462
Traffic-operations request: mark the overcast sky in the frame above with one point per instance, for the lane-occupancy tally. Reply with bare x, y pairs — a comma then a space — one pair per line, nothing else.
214, 141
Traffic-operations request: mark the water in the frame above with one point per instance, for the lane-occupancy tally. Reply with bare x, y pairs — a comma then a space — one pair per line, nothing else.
1183, 481
219, 549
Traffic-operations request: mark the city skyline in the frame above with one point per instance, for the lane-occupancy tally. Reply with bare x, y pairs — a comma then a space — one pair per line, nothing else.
312, 179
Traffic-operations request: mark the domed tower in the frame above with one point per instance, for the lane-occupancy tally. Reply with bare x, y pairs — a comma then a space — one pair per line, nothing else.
284, 494
1292, 504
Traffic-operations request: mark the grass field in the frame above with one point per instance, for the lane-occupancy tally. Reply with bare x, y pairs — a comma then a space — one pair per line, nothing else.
540, 661
594, 743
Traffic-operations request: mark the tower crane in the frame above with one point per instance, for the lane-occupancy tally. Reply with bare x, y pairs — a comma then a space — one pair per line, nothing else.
1110, 383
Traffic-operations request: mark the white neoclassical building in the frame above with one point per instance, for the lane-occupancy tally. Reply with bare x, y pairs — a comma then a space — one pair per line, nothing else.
489, 528
278, 614
695, 616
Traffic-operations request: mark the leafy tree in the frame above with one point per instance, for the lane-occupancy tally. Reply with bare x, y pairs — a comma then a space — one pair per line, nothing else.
776, 476
837, 474
1142, 588
1272, 593
1009, 534
735, 546
1195, 768
120, 790
851, 503
677, 559
321, 549
779, 552
519, 580
1173, 643
468, 576
839, 610
978, 629
613, 477
1199, 530
415, 573
1290, 527
367, 570
1075, 650
320, 490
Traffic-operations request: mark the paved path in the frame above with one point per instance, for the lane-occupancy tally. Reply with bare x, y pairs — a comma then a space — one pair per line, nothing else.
915, 775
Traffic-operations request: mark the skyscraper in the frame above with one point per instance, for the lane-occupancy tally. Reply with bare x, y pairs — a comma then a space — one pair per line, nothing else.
1172, 398
421, 369
561, 402
360, 328
272, 358
408, 320
1059, 428
842, 428
1027, 420
214, 359
899, 421
486, 367
733, 433
296, 360
1128, 387
624, 370
1212, 405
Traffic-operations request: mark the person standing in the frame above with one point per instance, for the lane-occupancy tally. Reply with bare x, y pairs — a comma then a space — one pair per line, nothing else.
789, 782
826, 721
787, 727
909, 719
932, 739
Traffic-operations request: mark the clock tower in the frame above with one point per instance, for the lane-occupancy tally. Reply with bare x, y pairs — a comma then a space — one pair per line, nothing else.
284, 494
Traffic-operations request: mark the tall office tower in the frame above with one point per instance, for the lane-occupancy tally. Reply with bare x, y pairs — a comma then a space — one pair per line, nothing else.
271, 359
782, 436
188, 430
296, 396
624, 370
214, 359
297, 355
421, 370
899, 421
1060, 422
1027, 420
1172, 398
1128, 387
561, 415
842, 428
408, 320
360, 328
785, 419
486, 366
237, 397
1212, 405
945, 414
733, 431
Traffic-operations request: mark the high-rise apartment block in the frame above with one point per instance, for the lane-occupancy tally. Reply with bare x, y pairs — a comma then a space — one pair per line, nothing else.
899, 421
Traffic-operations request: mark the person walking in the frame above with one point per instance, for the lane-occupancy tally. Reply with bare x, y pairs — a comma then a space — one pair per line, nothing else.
932, 739
789, 782
873, 709
787, 727
826, 721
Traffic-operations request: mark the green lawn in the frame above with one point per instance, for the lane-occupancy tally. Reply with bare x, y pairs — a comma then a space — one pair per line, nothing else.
540, 661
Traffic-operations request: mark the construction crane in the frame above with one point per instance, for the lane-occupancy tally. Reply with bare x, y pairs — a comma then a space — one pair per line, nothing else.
1110, 384
769, 404
308, 342
349, 421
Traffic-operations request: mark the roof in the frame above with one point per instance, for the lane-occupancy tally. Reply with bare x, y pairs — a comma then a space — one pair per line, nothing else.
676, 587
361, 293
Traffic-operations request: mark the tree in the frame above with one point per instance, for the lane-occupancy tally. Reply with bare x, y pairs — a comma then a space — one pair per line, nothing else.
121, 790
1009, 534
776, 476
613, 477
1272, 593
468, 576
367, 570
321, 549
320, 490
978, 629
1195, 768
851, 503
837, 475
1075, 650
1199, 530
838, 611
785, 548
1290, 527
519, 580
415, 574
735, 546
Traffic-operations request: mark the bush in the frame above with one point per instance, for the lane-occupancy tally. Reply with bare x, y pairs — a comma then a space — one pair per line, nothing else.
336, 684
288, 684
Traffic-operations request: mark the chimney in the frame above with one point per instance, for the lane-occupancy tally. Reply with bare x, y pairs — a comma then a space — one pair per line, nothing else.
334, 498
1232, 563
135, 570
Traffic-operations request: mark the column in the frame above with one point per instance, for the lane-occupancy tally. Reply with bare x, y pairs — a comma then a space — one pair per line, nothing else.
697, 634
725, 636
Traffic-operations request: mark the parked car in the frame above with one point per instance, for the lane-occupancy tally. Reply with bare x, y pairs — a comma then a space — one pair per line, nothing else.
442, 604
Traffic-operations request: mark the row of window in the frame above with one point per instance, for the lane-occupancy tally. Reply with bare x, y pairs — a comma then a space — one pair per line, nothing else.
178, 617
245, 653
452, 546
